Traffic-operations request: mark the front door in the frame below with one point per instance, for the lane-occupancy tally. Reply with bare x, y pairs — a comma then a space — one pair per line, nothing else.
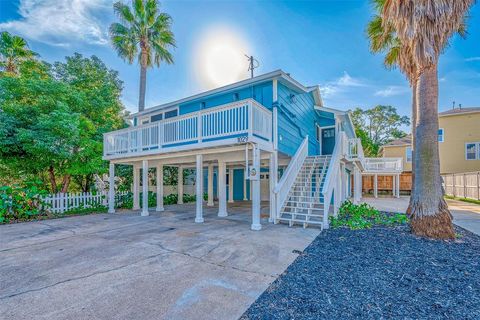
328, 140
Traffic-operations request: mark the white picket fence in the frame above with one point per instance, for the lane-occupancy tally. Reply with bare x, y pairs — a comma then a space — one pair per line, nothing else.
62, 202
462, 185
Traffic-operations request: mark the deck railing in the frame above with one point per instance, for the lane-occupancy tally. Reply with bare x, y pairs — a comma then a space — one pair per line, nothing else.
246, 117
383, 164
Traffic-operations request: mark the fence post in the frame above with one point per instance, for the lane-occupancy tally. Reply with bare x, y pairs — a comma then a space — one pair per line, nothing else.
454, 191
478, 185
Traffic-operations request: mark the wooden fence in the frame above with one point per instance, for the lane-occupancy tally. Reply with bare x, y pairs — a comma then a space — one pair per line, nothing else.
462, 185
385, 183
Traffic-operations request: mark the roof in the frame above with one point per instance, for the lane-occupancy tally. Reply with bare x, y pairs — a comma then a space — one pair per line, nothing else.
280, 75
459, 111
405, 141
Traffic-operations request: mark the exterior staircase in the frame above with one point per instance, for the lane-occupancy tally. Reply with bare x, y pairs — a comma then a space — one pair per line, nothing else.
304, 204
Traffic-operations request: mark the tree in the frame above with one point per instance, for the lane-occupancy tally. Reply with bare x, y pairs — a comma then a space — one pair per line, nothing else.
378, 126
13, 49
144, 32
425, 26
52, 120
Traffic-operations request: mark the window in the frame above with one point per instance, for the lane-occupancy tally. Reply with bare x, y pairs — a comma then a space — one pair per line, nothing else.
236, 96
472, 151
144, 121
202, 105
409, 154
157, 117
171, 113
440, 135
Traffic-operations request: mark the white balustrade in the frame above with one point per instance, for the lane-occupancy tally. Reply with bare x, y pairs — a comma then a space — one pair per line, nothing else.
383, 165
246, 117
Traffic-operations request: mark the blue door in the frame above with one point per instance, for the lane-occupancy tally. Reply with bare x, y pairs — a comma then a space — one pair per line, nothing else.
328, 140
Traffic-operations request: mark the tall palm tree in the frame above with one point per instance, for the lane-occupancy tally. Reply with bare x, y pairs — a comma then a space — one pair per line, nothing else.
13, 50
144, 33
426, 26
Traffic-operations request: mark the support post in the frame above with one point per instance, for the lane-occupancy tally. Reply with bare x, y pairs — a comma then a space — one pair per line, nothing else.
256, 225
272, 173
136, 188
159, 188
210, 185
356, 197
145, 188
222, 190
199, 188
375, 186
394, 185
245, 196
398, 186
180, 185
111, 188
230, 185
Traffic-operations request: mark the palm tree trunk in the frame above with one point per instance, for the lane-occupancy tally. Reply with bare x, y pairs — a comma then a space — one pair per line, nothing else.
430, 216
143, 85
414, 125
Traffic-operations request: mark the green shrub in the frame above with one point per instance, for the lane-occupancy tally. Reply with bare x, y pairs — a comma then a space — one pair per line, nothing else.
21, 202
126, 201
364, 216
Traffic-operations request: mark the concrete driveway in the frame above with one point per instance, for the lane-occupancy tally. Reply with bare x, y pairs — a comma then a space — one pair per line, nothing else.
124, 266
465, 215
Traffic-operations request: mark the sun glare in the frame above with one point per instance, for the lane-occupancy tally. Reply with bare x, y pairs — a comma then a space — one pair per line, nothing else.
219, 57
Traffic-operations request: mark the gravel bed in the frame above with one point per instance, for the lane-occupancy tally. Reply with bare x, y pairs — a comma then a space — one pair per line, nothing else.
380, 273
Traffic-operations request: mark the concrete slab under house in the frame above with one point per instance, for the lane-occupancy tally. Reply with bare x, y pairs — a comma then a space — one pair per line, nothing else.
268, 138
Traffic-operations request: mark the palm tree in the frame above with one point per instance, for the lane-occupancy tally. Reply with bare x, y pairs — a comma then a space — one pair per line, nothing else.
426, 26
13, 50
144, 33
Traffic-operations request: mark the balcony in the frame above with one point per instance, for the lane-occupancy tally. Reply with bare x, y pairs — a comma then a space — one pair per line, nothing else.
383, 165
233, 123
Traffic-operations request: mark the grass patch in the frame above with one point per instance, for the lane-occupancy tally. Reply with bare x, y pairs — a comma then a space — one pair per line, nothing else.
364, 216
463, 199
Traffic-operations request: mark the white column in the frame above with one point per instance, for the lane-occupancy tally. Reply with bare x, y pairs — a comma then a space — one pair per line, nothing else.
230, 185
199, 188
375, 186
136, 188
398, 186
245, 197
144, 188
111, 188
273, 182
210, 185
356, 197
180, 185
394, 185
159, 188
256, 190
222, 190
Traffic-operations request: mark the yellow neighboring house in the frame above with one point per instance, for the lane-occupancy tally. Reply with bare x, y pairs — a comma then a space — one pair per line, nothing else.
459, 142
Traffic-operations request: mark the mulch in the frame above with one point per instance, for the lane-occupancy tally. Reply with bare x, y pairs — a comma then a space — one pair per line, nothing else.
379, 273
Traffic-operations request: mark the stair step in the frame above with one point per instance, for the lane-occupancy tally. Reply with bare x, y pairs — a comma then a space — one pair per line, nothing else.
303, 214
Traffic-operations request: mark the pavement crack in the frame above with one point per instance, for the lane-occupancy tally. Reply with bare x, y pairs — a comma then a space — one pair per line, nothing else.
81, 277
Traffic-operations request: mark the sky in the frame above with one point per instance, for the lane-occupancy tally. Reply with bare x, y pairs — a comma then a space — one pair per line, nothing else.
317, 42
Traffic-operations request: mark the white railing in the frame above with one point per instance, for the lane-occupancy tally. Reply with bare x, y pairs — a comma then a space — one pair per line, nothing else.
246, 117
383, 164
331, 179
63, 202
353, 148
290, 175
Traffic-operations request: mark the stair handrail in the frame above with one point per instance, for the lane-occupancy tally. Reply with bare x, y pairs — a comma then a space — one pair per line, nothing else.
330, 178
283, 186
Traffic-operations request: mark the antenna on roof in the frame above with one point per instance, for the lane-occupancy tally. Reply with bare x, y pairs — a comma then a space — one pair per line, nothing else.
252, 64
453, 105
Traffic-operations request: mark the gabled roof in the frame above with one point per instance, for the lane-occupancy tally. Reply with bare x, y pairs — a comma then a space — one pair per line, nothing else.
405, 141
280, 75
459, 111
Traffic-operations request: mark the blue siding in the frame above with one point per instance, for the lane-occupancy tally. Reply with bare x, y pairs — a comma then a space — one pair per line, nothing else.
298, 118
263, 93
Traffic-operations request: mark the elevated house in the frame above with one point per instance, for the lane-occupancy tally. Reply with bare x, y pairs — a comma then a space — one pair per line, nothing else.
271, 134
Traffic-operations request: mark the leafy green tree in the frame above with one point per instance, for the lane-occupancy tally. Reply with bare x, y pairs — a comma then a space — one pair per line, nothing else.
52, 120
13, 49
378, 126
143, 34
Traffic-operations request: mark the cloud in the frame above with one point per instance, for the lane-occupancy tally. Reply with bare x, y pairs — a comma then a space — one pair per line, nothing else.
340, 84
472, 59
62, 22
391, 91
